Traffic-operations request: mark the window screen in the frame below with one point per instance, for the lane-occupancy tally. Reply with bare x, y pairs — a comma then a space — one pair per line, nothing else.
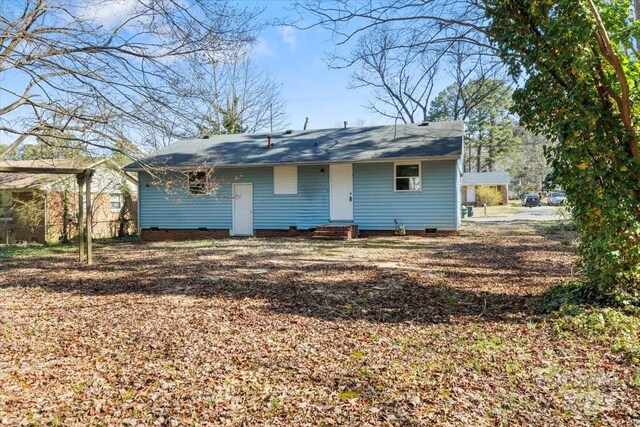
407, 177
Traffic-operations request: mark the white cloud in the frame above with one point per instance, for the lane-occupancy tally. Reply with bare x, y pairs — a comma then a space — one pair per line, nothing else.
109, 12
288, 35
262, 48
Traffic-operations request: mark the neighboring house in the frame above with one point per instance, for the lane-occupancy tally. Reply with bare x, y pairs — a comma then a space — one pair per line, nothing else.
298, 182
471, 180
43, 208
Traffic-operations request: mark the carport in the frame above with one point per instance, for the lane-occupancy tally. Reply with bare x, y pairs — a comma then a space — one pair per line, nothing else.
83, 177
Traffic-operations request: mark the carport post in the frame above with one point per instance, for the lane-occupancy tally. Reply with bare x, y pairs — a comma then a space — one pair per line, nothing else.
80, 178
88, 175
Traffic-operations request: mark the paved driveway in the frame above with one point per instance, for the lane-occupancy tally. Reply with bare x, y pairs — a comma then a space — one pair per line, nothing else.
541, 213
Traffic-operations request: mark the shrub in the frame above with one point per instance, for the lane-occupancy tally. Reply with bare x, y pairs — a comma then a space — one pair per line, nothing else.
29, 212
488, 195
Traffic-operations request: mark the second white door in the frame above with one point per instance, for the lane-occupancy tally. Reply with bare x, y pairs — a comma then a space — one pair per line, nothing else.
341, 192
242, 209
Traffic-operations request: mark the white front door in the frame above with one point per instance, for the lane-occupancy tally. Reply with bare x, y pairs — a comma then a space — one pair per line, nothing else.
242, 210
341, 192
471, 194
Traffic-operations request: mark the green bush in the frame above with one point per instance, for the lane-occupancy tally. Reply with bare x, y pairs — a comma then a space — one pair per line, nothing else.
489, 196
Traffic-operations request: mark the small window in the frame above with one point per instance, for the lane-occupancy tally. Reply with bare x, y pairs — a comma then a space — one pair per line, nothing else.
197, 183
407, 177
116, 202
285, 180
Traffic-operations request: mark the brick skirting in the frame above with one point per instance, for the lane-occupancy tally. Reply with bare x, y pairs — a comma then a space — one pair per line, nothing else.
283, 233
149, 235
421, 233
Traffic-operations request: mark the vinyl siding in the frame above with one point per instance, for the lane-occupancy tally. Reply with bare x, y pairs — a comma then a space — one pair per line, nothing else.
178, 209
375, 203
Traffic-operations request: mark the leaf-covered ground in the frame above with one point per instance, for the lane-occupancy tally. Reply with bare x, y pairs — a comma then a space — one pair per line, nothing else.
389, 331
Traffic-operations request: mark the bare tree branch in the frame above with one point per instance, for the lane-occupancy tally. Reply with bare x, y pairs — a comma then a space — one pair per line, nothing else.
83, 68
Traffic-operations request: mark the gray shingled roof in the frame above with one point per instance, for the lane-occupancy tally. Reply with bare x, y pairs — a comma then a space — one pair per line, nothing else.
438, 139
486, 178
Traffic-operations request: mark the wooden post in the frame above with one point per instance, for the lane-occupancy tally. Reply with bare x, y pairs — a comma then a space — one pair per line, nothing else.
80, 178
6, 230
88, 175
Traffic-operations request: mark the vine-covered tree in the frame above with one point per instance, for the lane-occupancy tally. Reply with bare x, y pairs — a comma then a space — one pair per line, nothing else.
578, 60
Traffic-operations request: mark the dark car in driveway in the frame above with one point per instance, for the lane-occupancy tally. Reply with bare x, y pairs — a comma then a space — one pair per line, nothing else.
531, 200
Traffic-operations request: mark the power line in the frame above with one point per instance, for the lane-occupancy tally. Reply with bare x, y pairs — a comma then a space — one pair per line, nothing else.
328, 98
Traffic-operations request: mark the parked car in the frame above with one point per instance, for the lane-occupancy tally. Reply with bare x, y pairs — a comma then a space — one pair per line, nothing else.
531, 200
557, 198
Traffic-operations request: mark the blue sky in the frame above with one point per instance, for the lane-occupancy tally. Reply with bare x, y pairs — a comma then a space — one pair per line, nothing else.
296, 59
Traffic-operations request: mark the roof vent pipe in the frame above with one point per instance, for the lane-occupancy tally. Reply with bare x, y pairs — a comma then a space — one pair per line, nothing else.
269, 144
306, 122
345, 124
424, 123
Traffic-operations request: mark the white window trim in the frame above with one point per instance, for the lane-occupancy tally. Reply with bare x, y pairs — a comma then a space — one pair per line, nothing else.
295, 183
121, 202
412, 162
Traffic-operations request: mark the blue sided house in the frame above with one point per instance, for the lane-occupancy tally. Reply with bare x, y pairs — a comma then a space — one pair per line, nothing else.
327, 183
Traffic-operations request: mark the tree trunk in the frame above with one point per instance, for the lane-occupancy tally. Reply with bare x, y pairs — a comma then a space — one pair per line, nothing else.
479, 159
490, 159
